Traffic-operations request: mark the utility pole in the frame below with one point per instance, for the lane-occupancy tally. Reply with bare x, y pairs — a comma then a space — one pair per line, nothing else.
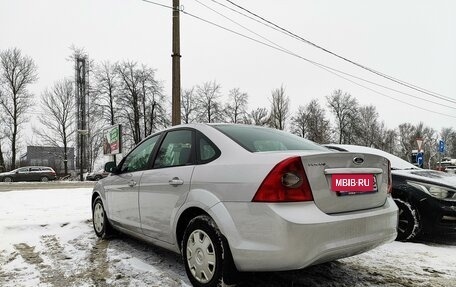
176, 90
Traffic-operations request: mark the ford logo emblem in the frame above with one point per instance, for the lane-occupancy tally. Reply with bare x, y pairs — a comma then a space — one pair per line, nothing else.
358, 160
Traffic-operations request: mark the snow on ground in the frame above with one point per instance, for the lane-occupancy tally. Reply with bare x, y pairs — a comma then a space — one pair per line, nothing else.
46, 239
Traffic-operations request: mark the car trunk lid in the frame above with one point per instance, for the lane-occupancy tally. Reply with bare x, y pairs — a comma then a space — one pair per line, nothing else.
345, 182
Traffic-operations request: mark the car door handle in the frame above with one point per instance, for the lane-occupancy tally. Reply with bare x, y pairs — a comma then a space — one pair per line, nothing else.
132, 183
176, 181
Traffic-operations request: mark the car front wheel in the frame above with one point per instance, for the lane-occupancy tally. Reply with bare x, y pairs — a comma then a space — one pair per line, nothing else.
8, 179
100, 222
203, 248
409, 224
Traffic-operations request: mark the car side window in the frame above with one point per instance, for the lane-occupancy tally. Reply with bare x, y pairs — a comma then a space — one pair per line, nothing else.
23, 170
207, 150
139, 158
176, 150
34, 169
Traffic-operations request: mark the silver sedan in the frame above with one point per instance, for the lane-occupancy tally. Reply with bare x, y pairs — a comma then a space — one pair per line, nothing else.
235, 198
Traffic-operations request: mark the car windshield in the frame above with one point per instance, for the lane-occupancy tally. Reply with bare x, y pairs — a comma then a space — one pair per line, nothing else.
260, 139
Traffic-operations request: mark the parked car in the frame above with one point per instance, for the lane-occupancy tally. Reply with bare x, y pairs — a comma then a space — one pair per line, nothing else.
426, 198
29, 173
245, 198
97, 175
450, 169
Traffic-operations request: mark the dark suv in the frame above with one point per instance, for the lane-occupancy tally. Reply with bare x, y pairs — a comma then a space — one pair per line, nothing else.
29, 173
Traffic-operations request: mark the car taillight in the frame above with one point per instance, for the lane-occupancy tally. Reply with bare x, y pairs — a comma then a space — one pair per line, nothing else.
287, 182
390, 179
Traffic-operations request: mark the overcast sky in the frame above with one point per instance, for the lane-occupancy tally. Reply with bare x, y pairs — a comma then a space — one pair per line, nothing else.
414, 41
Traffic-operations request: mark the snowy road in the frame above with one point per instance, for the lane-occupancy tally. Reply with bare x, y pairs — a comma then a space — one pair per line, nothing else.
46, 239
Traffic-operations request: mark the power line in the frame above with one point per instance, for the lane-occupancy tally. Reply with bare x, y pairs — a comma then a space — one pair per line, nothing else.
319, 64
289, 33
392, 98
247, 16
158, 4
327, 68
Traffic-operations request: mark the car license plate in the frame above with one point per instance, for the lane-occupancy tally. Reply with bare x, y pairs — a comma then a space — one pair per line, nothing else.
347, 184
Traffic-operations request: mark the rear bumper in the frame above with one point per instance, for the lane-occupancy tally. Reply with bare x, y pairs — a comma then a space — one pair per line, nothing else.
287, 236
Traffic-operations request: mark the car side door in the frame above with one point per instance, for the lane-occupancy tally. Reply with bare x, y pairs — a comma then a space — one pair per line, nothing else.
164, 188
22, 174
35, 173
122, 188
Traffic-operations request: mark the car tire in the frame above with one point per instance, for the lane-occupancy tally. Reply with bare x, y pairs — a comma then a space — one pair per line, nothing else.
8, 179
205, 250
44, 179
101, 225
97, 178
409, 224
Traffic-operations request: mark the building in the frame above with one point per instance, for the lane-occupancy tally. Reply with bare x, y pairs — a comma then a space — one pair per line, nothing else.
49, 156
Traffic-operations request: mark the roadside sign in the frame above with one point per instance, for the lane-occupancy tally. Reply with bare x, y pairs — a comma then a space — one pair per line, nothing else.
112, 140
441, 146
419, 141
420, 159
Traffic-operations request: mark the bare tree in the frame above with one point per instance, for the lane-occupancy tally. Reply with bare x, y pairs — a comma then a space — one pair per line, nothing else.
17, 72
236, 108
142, 101
408, 134
368, 127
2, 137
407, 140
258, 117
106, 91
344, 107
280, 108
319, 129
95, 139
310, 122
189, 105
299, 122
2, 160
131, 99
208, 99
449, 136
152, 101
387, 139
57, 105
429, 136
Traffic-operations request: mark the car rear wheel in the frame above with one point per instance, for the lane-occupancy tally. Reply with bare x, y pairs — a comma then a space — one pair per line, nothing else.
101, 223
44, 179
8, 179
203, 248
409, 224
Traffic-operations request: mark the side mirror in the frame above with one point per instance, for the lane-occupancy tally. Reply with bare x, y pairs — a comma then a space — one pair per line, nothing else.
110, 167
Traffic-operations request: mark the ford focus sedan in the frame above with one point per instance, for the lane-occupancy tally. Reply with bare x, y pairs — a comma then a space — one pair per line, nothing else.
235, 198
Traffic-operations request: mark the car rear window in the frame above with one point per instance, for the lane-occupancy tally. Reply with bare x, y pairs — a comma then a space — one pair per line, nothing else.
260, 139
